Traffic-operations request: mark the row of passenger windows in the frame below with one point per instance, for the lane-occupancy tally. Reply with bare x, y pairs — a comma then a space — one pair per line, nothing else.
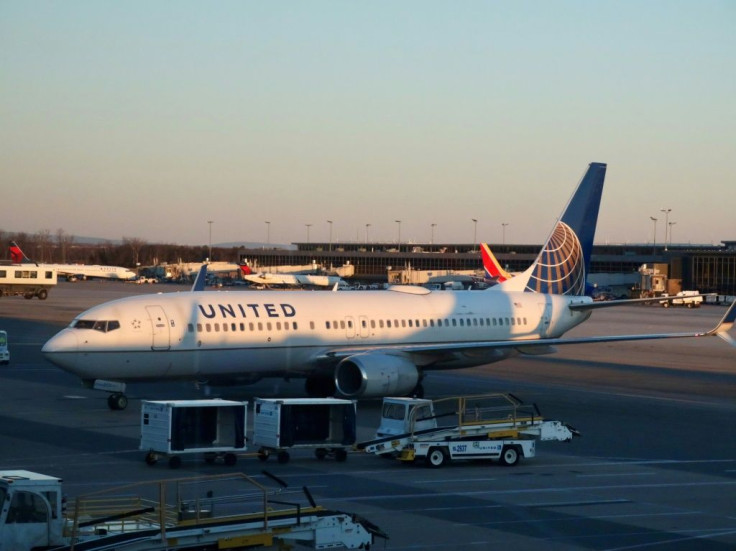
364, 323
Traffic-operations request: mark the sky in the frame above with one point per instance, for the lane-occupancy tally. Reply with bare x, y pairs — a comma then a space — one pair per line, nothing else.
150, 120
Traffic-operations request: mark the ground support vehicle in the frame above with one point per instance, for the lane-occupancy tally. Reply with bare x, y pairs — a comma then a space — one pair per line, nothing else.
27, 280
326, 425
491, 426
691, 299
230, 511
173, 428
4, 352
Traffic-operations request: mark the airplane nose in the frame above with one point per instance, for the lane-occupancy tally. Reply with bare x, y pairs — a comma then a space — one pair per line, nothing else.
61, 348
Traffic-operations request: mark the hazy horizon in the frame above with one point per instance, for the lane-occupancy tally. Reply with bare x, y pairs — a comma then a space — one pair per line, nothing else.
149, 120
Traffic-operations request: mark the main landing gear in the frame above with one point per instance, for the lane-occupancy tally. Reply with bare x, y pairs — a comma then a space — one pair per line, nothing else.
117, 401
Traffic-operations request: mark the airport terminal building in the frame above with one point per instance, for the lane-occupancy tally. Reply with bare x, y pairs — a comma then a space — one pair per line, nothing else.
706, 268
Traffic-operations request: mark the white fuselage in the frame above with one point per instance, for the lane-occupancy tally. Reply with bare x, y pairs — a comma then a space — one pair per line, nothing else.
213, 334
93, 271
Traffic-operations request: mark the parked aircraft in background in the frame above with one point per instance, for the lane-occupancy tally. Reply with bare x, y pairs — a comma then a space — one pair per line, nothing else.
361, 344
74, 271
272, 279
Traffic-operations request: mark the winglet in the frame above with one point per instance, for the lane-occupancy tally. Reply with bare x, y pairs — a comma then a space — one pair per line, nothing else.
17, 256
200, 280
725, 325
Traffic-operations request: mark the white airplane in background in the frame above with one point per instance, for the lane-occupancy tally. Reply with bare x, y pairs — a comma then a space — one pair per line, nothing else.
360, 344
270, 279
74, 271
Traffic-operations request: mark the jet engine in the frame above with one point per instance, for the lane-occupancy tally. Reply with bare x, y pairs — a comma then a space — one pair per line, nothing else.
375, 375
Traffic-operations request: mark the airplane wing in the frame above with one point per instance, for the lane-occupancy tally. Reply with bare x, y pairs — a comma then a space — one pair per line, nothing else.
433, 351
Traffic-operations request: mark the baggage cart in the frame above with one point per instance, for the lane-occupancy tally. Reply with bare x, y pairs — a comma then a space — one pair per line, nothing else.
172, 428
326, 425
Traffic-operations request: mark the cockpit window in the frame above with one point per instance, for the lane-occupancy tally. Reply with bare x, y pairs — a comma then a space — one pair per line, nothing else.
102, 326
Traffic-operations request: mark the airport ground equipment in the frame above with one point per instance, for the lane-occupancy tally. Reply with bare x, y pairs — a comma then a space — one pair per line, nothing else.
26, 280
4, 352
326, 425
231, 511
489, 426
691, 299
173, 428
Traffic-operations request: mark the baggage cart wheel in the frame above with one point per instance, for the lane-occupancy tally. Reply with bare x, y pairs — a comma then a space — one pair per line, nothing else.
174, 462
151, 459
320, 453
231, 459
436, 457
509, 456
210, 457
341, 454
283, 457
263, 455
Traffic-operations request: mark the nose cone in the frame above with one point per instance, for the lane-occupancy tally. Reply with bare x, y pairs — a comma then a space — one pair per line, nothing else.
61, 349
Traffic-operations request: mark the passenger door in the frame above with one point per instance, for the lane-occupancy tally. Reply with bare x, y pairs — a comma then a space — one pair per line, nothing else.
160, 327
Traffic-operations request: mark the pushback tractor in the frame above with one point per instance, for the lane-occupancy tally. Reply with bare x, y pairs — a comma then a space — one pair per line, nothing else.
491, 426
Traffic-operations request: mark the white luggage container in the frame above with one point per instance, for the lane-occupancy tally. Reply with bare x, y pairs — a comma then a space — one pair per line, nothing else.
326, 425
172, 428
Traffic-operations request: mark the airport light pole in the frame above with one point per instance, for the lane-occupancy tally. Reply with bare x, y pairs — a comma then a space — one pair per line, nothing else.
330, 223
431, 241
475, 231
398, 241
654, 235
210, 254
268, 233
670, 224
503, 229
666, 224
366, 233
308, 226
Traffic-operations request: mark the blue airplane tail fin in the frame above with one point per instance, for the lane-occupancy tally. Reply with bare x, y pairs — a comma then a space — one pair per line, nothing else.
563, 264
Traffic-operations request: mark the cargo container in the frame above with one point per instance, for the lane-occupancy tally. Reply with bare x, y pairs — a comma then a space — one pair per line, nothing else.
172, 428
326, 425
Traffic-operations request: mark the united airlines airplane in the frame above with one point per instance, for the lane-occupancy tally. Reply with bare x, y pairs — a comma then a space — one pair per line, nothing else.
359, 343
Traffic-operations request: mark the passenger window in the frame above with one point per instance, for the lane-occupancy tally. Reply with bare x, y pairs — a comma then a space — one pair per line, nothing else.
295, 327
199, 327
278, 326
327, 325
208, 327
411, 323
311, 325
268, 325
190, 328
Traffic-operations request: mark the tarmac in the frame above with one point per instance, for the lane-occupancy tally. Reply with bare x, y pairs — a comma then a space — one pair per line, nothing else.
655, 467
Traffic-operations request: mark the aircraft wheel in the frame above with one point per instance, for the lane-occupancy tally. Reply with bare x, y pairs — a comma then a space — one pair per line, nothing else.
418, 391
436, 457
283, 457
230, 459
174, 462
117, 401
509, 456
42, 294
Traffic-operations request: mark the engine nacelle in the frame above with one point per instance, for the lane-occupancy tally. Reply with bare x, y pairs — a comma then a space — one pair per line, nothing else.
374, 375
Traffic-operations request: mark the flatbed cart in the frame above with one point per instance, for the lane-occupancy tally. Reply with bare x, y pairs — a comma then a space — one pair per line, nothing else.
173, 428
326, 425
491, 426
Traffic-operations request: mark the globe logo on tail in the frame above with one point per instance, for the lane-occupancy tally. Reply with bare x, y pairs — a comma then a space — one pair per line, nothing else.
560, 268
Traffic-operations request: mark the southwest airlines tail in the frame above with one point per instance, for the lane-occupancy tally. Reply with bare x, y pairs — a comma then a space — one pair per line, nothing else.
563, 263
493, 269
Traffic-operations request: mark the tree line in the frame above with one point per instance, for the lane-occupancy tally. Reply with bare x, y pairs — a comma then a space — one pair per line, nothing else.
131, 252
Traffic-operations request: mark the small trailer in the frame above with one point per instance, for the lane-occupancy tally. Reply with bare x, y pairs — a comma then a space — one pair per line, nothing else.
491, 426
172, 428
326, 425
